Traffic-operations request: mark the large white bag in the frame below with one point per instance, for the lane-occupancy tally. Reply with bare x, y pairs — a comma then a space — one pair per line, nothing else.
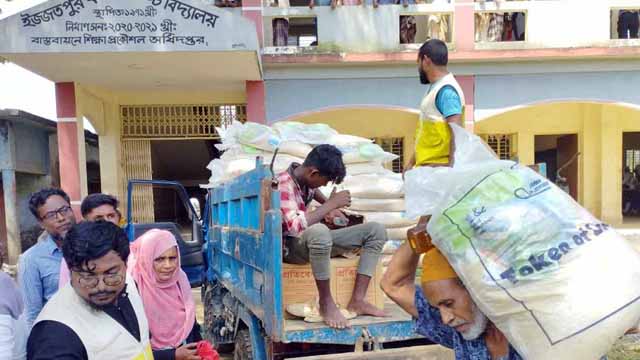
363, 153
315, 134
398, 233
368, 168
388, 219
253, 134
559, 283
223, 170
383, 205
387, 185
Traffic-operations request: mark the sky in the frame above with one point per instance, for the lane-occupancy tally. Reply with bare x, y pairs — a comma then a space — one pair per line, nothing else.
19, 88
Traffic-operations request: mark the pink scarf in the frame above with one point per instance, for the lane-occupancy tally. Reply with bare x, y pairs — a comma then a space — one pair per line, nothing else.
169, 306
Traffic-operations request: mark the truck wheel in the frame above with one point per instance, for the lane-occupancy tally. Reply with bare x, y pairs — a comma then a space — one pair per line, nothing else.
213, 322
243, 349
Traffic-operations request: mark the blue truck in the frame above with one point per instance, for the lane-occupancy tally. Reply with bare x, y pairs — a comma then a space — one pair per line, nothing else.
242, 292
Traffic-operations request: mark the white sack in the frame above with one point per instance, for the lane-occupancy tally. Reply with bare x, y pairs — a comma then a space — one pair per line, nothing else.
367, 152
388, 219
398, 233
559, 283
388, 185
305, 133
368, 168
385, 205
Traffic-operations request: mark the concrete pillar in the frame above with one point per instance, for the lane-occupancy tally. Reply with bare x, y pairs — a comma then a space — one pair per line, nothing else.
464, 38
467, 83
526, 148
252, 10
611, 169
8, 168
256, 102
14, 247
68, 144
110, 153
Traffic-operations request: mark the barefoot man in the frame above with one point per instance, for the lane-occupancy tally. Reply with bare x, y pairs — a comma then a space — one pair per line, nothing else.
307, 240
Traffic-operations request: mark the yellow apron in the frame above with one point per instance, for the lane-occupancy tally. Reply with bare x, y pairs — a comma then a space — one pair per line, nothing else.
433, 142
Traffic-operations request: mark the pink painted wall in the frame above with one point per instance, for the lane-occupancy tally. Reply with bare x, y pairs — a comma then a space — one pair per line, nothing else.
463, 25
256, 102
68, 143
252, 10
467, 83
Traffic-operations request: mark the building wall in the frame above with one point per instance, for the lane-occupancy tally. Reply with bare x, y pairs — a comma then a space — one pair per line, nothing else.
496, 93
26, 184
102, 108
285, 98
365, 29
599, 127
32, 149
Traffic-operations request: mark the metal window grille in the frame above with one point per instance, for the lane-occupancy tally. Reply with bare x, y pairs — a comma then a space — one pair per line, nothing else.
136, 158
178, 121
632, 158
396, 147
502, 145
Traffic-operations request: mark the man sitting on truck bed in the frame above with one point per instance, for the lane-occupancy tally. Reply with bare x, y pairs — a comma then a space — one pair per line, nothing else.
307, 240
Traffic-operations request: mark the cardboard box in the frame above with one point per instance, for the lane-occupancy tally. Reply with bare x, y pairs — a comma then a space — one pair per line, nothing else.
299, 285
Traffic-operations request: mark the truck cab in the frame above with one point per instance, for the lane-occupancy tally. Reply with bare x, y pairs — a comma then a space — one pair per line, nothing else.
188, 230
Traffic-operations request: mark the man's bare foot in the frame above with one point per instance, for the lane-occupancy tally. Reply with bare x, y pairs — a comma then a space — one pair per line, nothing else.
365, 308
332, 316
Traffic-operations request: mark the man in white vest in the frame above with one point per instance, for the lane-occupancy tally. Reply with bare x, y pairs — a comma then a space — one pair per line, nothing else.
442, 104
99, 314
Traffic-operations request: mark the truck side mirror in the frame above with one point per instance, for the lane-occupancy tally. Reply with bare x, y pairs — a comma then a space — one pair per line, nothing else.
196, 205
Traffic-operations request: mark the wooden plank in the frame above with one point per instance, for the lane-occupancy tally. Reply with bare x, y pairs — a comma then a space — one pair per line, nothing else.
427, 352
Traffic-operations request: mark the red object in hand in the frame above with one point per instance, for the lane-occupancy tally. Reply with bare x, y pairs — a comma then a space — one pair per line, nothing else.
206, 351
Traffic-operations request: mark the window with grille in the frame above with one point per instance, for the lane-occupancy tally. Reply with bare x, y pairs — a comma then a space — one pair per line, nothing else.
178, 121
396, 147
631, 158
502, 145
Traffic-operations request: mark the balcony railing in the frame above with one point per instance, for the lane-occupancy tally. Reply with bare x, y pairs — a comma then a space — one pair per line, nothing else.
498, 25
355, 28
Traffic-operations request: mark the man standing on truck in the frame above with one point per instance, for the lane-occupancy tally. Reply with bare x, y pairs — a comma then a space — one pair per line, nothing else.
307, 240
444, 311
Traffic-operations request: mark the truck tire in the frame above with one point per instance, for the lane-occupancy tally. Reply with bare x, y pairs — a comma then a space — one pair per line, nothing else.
243, 348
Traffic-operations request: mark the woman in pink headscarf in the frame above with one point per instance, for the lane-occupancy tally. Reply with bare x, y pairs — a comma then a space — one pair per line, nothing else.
154, 264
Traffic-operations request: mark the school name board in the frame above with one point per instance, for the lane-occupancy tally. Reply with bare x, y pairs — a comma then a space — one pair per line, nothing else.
124, 25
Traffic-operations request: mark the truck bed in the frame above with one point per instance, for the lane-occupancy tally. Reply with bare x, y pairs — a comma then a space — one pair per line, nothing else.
396, 326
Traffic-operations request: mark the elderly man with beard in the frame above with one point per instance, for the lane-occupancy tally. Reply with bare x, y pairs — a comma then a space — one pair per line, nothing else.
100, 314
443, 308
39, 267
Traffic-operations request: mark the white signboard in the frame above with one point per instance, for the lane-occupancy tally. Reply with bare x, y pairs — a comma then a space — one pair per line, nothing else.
126, 25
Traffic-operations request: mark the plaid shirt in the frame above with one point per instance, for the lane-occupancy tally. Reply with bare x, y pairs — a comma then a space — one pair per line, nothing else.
293, 203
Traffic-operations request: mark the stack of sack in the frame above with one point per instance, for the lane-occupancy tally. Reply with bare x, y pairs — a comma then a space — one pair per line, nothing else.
242, 143
377, 193
379, 197
558, 282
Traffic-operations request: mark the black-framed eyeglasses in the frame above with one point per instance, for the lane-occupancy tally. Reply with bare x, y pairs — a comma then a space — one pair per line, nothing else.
52, 215
91, 281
